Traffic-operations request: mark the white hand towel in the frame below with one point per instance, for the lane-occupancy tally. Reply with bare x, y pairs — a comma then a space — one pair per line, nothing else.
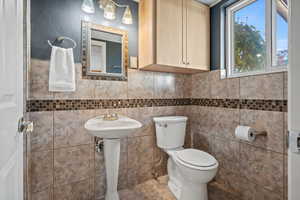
62, 70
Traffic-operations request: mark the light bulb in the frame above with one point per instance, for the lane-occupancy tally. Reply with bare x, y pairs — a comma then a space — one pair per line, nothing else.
127, 17
88, 6
110, 10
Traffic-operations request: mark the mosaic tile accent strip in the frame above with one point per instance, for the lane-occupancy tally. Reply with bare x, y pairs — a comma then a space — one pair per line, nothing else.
90, 104
250, 104
224, 103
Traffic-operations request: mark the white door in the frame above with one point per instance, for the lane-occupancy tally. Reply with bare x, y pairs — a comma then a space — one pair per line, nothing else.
11, 99
294, 101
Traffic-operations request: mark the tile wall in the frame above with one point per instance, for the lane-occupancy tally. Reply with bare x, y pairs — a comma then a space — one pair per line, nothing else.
62, 162
248, 171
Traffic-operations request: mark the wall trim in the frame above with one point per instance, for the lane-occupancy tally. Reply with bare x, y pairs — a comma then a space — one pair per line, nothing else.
93, 104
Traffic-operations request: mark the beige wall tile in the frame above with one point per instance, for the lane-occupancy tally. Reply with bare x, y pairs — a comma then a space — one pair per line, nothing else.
265, 168
85, 89
285, 133
100, 187
227, 152
285, 85
119, 111
43, 195
184, 86
268, 86
233, 183
168, 85
224, 122
140, 84
73, 164
111, 90
38, 76
285, 185
82, 190
216, 192
41, 171
271, 122
69, 128
200, 85
223, 88
140, 159
145, 116
164, 111
262, 193
42, 136
201, 119
202, 141
164, 85
160, 159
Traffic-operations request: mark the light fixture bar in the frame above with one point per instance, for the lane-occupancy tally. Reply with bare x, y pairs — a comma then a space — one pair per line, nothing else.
109, 7
119, 5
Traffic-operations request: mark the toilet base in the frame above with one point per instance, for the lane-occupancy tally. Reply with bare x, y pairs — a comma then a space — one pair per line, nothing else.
174, 189
194, 192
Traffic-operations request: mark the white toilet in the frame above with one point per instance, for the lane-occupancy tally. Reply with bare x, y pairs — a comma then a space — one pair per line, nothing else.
189, 170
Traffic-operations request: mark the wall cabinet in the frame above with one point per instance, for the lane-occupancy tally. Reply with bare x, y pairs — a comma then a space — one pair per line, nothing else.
174, 36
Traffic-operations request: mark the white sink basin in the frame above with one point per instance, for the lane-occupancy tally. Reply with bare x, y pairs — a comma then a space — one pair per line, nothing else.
111, 132
119, 128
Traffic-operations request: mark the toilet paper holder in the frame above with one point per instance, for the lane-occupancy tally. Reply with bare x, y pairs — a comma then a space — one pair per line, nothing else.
259, 133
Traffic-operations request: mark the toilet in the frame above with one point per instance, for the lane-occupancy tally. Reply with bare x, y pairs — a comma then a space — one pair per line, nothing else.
189, 170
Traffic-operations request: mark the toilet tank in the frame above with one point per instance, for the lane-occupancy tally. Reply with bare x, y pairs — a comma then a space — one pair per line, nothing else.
170, 131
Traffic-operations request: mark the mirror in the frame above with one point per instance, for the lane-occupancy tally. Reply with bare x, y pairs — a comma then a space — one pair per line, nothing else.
104, 52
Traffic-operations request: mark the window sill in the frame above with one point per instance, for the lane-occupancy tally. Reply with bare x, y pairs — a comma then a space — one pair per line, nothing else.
254, 73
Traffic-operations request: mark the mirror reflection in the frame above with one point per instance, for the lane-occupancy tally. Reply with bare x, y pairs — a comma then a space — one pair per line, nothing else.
104, 51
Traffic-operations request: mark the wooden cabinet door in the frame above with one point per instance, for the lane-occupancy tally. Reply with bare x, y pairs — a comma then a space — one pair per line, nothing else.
198, 35
169, 32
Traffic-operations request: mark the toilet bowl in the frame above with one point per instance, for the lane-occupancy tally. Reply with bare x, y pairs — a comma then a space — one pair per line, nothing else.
189, 170
197, 168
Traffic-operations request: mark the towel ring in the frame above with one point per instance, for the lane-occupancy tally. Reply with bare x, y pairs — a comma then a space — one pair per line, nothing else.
61, 39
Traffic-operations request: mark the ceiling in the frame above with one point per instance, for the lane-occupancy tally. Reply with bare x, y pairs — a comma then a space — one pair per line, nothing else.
208, 2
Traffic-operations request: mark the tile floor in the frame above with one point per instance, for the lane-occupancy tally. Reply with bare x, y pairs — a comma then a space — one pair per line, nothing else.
150, 190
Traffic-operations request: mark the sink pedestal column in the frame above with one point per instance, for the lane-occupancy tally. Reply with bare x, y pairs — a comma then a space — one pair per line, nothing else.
112, 159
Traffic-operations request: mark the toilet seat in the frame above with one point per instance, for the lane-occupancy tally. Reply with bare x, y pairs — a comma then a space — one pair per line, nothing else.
195, 159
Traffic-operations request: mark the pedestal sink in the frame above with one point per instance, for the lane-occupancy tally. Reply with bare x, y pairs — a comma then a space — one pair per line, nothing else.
112, 132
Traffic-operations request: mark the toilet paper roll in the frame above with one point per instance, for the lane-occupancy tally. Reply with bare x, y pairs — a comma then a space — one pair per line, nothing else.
245, 133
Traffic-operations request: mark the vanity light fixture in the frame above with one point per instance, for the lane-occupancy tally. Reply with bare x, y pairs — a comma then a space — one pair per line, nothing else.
109, 7
88, 6
127, 17
110, 10
102, 3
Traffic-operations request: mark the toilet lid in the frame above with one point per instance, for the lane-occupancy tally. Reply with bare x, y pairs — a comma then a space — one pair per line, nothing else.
196, 158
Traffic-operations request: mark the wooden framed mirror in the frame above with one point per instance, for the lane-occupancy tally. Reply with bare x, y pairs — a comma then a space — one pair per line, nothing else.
104, 52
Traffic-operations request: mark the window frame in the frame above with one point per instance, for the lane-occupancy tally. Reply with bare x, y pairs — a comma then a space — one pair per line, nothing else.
270, 35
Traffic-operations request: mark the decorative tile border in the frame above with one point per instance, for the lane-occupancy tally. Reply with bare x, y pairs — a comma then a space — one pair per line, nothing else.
267, 105
250, 104
89, 104
224, 103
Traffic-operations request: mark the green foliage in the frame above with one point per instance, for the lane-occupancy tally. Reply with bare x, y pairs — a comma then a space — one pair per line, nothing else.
249, 48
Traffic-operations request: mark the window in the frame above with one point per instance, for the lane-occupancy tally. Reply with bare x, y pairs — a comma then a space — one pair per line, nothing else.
257, 37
